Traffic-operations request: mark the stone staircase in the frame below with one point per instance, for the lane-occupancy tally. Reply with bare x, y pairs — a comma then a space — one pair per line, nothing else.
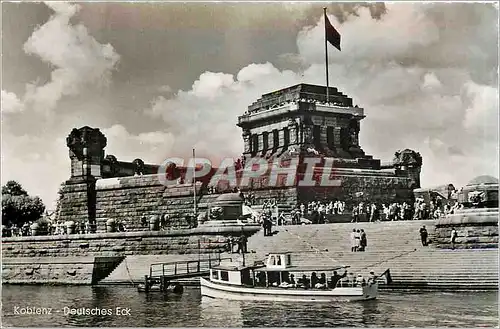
393, 245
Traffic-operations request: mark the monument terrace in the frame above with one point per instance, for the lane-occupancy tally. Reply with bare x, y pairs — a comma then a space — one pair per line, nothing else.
294, 122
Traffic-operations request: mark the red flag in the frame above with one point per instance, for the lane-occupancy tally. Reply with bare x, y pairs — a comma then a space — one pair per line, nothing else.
332, 35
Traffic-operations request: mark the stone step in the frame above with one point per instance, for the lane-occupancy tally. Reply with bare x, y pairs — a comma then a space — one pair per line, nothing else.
393, 245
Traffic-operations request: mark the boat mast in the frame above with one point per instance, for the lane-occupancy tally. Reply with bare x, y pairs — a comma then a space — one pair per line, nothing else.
194, 183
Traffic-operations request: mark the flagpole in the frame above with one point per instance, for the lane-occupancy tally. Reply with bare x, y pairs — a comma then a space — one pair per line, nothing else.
326, 61
194, 183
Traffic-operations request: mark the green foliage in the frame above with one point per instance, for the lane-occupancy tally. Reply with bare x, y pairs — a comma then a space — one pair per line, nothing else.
18, 207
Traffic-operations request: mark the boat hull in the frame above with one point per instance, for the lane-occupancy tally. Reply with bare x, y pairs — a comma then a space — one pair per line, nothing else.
215, 290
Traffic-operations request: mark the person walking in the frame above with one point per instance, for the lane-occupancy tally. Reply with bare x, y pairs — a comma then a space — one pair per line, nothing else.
423, 236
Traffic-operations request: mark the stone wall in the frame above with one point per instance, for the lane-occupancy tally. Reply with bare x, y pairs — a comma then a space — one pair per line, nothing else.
66, 270
73, 202
127, 199
476, 228
89, 258
202, 239
75, 270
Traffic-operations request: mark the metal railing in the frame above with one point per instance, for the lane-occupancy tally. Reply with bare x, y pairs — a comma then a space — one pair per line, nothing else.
179, 268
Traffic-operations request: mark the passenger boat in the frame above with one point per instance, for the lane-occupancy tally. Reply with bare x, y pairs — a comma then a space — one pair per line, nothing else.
275, 280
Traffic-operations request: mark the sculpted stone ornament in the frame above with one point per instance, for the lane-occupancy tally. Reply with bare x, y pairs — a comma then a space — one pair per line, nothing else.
138, 167
75, 144
216, 213
407, 158
113, 164
246, 140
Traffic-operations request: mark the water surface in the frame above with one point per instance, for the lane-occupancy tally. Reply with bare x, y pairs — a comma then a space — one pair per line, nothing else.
392, 309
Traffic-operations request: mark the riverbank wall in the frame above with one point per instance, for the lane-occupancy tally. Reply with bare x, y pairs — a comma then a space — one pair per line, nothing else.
89, 258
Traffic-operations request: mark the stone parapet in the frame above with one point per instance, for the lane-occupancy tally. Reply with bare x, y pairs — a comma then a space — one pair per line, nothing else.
203, 239
476, 228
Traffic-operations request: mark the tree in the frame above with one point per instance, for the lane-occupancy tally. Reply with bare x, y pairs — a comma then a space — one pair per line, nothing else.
13, 188
18, 207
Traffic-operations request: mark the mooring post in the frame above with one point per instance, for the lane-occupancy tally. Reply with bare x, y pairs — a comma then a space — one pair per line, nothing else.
146, 283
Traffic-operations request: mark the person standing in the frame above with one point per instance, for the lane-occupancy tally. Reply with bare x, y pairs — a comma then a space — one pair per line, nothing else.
453, 237
353, 240
363, 242
357, 239
242, 244
355, 215
423, 236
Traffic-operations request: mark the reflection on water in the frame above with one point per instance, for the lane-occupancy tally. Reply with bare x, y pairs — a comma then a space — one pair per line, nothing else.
392, 309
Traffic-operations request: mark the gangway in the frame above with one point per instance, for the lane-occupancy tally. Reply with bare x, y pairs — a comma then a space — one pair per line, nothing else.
161, 275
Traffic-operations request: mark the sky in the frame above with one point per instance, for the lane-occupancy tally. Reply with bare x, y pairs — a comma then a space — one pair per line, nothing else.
159, 79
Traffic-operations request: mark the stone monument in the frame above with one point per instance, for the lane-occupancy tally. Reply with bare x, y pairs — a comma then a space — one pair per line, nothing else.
476, 222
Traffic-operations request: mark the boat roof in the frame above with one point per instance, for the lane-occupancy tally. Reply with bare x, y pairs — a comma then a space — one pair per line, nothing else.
305, 268
317, 268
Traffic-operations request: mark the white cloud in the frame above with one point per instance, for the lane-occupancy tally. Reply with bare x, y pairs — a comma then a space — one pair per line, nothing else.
11, 103
78, 59
151, 147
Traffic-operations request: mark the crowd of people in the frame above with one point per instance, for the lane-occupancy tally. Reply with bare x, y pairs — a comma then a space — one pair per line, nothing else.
373, 212
305, 281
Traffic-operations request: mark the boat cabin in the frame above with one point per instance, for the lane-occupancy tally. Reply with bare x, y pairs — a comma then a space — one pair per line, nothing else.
231, 274
276, 270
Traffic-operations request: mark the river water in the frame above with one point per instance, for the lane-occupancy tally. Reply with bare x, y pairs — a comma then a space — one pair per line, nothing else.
392, 309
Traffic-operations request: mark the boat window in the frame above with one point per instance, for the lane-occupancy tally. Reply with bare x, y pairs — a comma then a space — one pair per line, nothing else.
224, 275
273, 260
279, 260
288, 259
215, 275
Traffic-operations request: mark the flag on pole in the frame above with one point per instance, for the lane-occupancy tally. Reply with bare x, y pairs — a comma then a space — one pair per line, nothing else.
332, 35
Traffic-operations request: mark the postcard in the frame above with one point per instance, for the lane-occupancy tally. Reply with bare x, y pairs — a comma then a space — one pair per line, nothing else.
244, 164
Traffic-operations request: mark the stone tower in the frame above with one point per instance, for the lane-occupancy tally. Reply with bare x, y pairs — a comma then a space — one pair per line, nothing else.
299, 121
86, 151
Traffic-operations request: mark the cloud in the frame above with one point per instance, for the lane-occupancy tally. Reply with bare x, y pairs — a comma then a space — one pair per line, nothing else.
151, 147
78, 59
10, 103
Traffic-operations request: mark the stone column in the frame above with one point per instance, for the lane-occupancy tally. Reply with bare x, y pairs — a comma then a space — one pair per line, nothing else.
260, 143
246, 140
323, 137
270, 140
292, 128
281, 137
